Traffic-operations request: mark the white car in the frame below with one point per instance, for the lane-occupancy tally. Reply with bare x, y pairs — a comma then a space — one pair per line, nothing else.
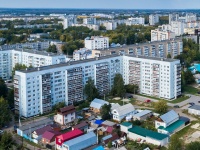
1, 131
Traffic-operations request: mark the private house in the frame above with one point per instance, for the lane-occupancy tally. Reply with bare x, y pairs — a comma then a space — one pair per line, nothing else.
49, 136
66, 137
96, 105
65, 115
111, 137
194, 110
169, 123
37, 134
80, 142
143, 135
143, 115
83, 126
121, 112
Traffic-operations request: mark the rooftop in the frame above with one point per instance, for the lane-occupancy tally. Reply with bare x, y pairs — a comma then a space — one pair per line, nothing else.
126, 124
29, 70
50, 134
142, 113
147, 133
69, 135
169, 116
80, 125
43, 129
171, 128
108, 123
125, 109
98, 103
196, 107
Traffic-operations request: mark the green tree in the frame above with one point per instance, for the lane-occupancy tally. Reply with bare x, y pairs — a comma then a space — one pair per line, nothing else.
52, 49
189, 78
109, 144
7, 141
90, 90
161, 106
105, 112
18, 67
58, 106
3, 88
169, 55
132, 88
175, 143
118, 88
10, 97
5, 116
193, 146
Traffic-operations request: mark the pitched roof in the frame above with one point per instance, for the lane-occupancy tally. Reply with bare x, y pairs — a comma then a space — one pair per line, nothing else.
173, 126
147, 133
111, 138
69, 135
67, 110
43, 129
142, 113
80, 125
114, 105
109, 129
84, 140
125, 109
196, 107
98, 103
99, 122
169, 116
50, 134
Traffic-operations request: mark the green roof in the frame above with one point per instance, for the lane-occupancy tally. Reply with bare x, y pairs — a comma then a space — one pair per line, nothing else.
127, 124
173, 126
147, 133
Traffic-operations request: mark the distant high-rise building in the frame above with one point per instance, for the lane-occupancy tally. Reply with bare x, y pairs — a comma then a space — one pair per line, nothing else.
69, 21
157, 35
135, 21
153, 19
96, 42
90, 20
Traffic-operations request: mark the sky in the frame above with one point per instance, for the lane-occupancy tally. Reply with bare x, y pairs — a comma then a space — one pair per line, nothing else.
123, 4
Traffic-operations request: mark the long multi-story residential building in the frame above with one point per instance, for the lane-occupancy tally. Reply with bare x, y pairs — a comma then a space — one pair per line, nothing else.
36, 90
157, 35
149, 49
29, 45
97, 42
69, 21
135, 21
9, 58
90, 20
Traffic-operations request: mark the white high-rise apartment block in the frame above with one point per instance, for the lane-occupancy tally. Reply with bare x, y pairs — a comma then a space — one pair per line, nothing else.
96, 42
91, 20
157, 35
153, 19
69, 21
173, 17
110, 25
36, 90
9, 58
189, 17
135, 21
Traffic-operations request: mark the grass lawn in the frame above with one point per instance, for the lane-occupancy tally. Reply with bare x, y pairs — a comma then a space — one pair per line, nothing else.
178, 100
190, 90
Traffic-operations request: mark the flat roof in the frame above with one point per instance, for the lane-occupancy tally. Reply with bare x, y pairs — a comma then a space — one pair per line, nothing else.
173, 126
69, 63
126, 124
147, 133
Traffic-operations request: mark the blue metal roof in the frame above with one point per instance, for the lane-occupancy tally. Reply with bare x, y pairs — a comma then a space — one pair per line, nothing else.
169, 116
99, 122
98, 148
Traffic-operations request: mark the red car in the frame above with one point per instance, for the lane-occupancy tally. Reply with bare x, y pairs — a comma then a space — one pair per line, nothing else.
147, 101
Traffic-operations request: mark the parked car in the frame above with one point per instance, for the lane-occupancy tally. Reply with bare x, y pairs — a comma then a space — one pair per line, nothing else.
147, 101
176, 106
198, 92
192, 103
130, 96
198, 101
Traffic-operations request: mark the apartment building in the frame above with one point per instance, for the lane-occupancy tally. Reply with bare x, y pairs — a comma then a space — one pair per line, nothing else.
82, 53
34, 45
90, 26
158, 35
69, 21
38, 89
189, 17
9, 58
96, 42
153, 19
90, 20
149, 49
135, 21
110, 25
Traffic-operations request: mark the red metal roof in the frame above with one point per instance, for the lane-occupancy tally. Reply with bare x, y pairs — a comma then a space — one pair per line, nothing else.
50, 134
69, 135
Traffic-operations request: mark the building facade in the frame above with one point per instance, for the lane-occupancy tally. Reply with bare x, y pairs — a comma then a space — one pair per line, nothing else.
135, 21
161, 49
159, 35
153, 19
38, 89
97, 42
9, 58
91, 20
